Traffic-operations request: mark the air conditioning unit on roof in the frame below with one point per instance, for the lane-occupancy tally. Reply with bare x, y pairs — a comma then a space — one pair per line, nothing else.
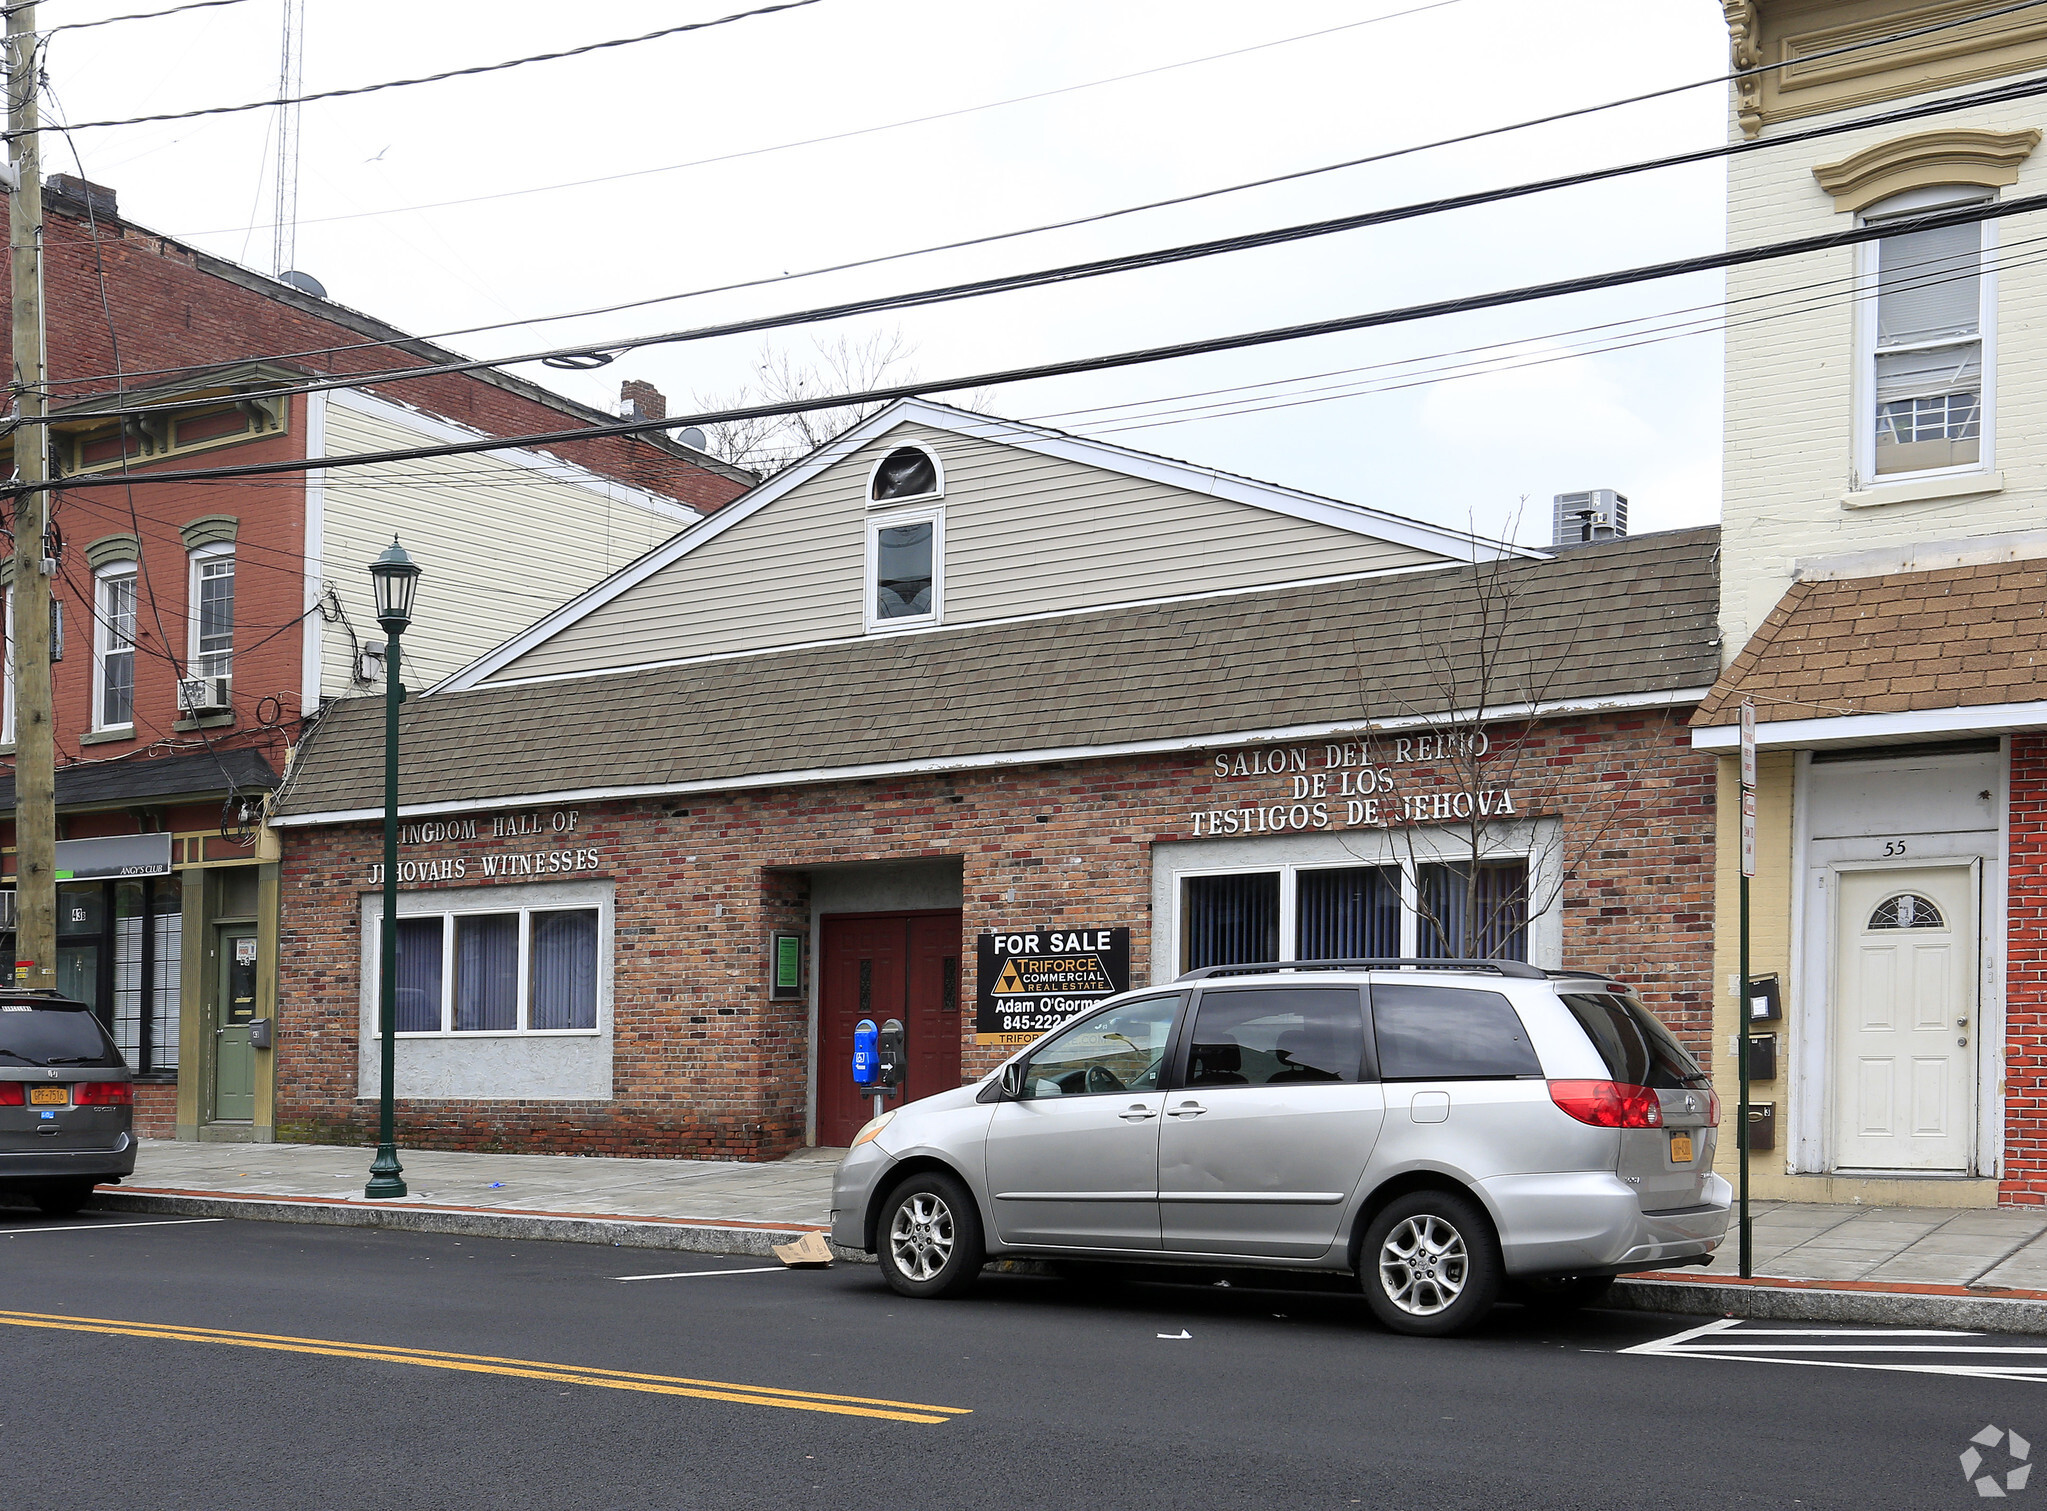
205, 695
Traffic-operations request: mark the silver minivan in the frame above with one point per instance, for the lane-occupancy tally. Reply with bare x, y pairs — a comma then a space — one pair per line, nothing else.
1452, 1132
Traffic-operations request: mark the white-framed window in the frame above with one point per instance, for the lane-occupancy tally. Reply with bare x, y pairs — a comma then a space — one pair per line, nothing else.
113, 658
1927, 334
905, 568
212, 596
488, 968
905, 475
1347, 894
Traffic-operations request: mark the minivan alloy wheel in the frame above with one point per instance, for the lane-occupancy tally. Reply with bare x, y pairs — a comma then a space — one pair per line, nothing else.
921, 1237
1423, 1265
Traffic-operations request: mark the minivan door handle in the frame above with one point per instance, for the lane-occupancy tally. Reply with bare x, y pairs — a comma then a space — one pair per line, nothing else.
1187, 1110
1137, 1112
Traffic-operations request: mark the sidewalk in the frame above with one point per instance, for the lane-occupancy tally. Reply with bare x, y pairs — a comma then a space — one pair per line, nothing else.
1983, 1269
708, 1206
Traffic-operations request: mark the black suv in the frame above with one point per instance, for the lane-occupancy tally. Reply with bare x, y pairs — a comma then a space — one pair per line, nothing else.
67, 1115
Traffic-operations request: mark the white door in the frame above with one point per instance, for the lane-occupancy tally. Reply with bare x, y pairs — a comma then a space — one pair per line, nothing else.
1905, 1019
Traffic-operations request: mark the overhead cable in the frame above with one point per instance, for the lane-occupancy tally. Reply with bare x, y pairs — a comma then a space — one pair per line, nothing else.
859, 131
1736, 257
446, 74
148, 15
1377, 157
1127, 210
599, 353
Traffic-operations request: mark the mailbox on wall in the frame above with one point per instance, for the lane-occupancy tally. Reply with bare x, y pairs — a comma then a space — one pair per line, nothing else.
1762, 1126
1762, 1057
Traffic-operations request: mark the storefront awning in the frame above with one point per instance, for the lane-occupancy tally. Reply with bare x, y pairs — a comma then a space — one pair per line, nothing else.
109, 784
1903, 656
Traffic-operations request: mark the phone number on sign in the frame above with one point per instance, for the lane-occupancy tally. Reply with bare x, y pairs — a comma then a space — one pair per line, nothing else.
1016, 1023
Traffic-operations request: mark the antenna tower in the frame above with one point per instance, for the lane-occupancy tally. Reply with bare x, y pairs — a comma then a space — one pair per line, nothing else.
290, 85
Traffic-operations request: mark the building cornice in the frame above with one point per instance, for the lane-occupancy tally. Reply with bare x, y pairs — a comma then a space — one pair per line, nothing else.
1823, 56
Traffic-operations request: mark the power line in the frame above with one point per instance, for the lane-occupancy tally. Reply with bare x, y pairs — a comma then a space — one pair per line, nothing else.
1710, 262
452, 73
150, 15
1378, 157
1099, 267
919, 120
1934, 107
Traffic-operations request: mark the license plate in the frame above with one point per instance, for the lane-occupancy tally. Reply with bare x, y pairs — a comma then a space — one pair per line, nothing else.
1680, 1148
49, 1096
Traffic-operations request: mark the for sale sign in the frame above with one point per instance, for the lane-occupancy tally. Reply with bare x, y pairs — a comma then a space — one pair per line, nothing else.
1035, 980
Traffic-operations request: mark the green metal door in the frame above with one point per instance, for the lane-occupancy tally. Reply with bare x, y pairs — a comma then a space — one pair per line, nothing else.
234, 1062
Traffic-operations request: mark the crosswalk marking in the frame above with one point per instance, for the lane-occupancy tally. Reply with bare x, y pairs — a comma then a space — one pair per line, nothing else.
1968, 1354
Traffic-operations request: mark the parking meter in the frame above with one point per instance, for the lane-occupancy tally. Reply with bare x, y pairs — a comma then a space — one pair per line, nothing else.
864, 1058
892, 1064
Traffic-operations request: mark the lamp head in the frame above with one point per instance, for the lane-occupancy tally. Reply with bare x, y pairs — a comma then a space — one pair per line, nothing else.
396, 577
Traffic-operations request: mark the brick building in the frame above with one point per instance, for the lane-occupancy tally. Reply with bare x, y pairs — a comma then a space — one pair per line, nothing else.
1884, 577
203, 624
953, 699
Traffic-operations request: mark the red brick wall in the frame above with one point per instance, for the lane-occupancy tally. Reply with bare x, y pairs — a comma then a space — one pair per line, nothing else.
2025, 979
705, 1064
156, 1111
169, 314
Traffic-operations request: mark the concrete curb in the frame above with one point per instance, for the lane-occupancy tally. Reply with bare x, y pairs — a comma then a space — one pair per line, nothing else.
629, 1233
1806, 1303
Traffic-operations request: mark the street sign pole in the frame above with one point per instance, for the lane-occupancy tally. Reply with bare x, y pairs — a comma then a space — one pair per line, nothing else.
1748, 869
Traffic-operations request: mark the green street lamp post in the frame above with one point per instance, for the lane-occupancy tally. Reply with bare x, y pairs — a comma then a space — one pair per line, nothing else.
396, 576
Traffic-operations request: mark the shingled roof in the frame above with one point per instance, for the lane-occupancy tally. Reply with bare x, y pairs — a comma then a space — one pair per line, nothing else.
1613, 621
1956, 638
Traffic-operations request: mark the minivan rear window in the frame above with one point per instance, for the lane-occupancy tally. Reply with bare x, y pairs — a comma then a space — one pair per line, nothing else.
1638, 1050
45, 1036
1447, 1033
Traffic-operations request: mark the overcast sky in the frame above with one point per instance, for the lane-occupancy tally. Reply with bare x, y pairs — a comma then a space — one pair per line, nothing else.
1459, 451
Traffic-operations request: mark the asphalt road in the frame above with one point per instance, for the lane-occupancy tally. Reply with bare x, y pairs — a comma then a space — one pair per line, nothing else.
221, 1364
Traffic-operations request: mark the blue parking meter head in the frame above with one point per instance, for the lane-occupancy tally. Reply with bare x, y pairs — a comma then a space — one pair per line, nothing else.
866, 1061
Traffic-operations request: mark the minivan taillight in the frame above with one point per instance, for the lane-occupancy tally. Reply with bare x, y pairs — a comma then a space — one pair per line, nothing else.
1608, 1104
102, 1094
11, 1094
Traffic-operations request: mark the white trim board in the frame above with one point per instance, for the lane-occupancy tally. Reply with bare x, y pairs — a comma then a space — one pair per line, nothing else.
313, 557
997, 759
1852, 729
1353, 518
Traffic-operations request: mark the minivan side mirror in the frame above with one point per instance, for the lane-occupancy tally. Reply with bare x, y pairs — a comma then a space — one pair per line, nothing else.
1006, 1087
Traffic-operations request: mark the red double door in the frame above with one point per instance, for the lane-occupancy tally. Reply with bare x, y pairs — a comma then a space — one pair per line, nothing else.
882, 966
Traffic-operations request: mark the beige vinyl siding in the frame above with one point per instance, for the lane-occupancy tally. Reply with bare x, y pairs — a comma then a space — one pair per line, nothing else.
1024, 533
499, 545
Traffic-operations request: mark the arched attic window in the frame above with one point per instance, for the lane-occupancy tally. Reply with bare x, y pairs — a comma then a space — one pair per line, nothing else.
908, 472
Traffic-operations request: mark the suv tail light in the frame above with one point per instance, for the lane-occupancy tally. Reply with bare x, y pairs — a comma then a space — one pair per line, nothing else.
1712, 1108
102, 1094
11, 1094
1608, 1104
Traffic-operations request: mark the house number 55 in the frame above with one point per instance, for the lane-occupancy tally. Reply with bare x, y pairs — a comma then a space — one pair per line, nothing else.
1894, 847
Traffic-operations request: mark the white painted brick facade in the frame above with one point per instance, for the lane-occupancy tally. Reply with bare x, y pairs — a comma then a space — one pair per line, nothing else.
1790, 376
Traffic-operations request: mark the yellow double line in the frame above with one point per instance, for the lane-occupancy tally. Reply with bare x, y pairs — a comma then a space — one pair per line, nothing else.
484, 1364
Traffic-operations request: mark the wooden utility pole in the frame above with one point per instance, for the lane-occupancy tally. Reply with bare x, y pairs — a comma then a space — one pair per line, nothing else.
35, 761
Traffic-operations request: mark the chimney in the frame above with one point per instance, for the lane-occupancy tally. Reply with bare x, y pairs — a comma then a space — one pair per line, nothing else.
1583, 519
97, 197
641, 400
